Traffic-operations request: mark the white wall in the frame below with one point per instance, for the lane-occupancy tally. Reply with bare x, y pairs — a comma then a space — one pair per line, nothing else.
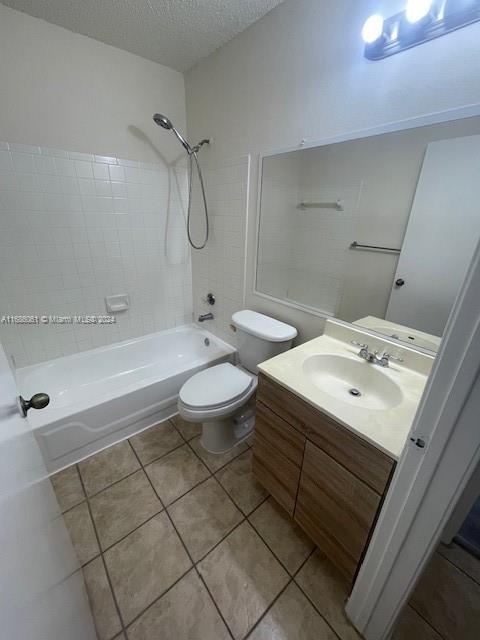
75, 227
299, 72
61, 89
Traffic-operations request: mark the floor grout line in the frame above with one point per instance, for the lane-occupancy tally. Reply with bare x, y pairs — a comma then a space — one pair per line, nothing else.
427, 622
194, 564
105, 568
193, 567
461, 569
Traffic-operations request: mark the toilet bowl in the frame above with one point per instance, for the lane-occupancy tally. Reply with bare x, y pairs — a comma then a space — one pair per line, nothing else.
221, 397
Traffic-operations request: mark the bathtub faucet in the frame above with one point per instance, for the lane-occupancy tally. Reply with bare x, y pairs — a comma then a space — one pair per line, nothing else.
206, 316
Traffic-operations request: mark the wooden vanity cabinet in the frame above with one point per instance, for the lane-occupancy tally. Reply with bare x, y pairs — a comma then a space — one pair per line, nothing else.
327, 478
278, 456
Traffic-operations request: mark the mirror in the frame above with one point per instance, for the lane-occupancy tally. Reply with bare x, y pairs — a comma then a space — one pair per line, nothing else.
377, 231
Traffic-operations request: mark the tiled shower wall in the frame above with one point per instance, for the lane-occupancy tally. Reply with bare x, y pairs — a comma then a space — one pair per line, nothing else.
220, 267
75, 228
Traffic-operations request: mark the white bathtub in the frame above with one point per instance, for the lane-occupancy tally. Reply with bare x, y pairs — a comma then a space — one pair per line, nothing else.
104, 395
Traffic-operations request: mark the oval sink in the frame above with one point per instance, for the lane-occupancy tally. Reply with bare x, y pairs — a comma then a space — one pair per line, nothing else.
361, 384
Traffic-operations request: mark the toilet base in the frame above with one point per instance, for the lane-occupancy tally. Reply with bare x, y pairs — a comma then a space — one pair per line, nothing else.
220, 436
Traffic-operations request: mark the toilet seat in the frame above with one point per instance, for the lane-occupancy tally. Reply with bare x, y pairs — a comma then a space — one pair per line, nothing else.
215, 387
216, 392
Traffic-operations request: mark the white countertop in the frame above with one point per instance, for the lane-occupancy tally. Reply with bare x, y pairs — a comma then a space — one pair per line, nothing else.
386, 428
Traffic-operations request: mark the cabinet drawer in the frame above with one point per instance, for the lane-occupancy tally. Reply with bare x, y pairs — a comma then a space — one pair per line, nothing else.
361, 458
335, 508
278, 433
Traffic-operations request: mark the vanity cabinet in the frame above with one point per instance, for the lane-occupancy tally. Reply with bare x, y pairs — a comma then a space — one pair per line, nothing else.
327, 478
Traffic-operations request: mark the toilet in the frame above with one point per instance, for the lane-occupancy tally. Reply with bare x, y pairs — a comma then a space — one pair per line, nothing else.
221, 397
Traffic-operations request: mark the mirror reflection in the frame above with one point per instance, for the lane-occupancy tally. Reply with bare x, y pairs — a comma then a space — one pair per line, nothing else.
377, 231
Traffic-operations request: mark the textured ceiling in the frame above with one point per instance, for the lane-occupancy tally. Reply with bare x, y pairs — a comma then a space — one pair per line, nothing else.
176, 33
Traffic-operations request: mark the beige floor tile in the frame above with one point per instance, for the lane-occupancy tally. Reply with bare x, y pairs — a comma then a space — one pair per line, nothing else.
122, 507
184, 612
108, 466
176, 473
203, 517
328, 591
68, 488
448, 600
105, 615
292, 617
156, 442
145, 564
243, 577
237, 478
215, 461
82, 533
411, 626
188, 429
462, 559
285, 538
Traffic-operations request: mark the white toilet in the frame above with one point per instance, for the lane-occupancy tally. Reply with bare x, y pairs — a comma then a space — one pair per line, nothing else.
219, 397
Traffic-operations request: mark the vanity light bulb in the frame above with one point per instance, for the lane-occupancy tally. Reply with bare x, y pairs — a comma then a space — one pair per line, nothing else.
417, 10
372, 29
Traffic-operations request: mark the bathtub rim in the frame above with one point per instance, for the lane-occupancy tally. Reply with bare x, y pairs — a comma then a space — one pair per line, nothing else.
41, 419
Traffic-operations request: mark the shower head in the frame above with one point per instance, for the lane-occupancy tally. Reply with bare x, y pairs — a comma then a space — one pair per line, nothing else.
164, 122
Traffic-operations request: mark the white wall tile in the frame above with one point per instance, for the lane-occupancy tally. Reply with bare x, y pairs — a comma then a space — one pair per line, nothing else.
70, 234
220, 267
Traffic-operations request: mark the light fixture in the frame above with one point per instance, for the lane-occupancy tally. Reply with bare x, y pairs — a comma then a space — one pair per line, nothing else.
420, 22
417, 10
372, 29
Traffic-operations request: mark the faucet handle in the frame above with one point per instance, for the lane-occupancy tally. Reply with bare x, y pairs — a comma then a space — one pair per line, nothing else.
359, 344
388, 356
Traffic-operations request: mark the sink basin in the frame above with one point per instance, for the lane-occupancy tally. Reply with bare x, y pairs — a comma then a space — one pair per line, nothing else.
358, 383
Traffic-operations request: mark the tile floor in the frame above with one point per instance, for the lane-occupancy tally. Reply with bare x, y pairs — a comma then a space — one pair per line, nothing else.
179, 544
445, 604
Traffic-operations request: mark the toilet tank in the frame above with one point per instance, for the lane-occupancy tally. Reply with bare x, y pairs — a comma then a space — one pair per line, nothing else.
260, 337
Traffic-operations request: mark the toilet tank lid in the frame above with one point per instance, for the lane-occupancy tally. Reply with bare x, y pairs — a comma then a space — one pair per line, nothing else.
256, 324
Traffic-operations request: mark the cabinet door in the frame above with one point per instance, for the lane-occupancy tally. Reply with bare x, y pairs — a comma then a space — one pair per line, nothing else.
277, 456
335, 508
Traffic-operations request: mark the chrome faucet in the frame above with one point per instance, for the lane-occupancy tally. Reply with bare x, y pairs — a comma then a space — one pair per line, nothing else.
206, 316
372, 357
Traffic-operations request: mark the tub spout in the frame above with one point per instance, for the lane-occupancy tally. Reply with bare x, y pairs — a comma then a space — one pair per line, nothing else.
206, 316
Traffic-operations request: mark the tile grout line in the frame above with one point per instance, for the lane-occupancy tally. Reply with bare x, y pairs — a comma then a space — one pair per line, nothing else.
464, 571
105, 568
427, 622
194, 567
281, 592
245, 518
327, 622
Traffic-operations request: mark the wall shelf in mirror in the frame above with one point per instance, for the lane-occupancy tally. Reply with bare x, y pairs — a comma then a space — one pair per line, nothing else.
400, 186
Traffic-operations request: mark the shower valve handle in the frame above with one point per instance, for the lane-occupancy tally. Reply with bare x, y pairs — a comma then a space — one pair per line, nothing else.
37, 401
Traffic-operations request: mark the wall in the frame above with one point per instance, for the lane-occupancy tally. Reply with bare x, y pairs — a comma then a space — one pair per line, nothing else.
64, 90
299, 73
74, 226
219, 268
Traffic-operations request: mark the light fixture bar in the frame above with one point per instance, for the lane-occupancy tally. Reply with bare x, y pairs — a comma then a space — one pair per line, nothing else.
399, 34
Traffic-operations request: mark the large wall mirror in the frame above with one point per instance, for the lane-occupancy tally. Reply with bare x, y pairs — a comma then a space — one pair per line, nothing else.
377, 231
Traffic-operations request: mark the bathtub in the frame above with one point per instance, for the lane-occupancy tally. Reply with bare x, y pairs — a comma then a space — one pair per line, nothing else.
104, 395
